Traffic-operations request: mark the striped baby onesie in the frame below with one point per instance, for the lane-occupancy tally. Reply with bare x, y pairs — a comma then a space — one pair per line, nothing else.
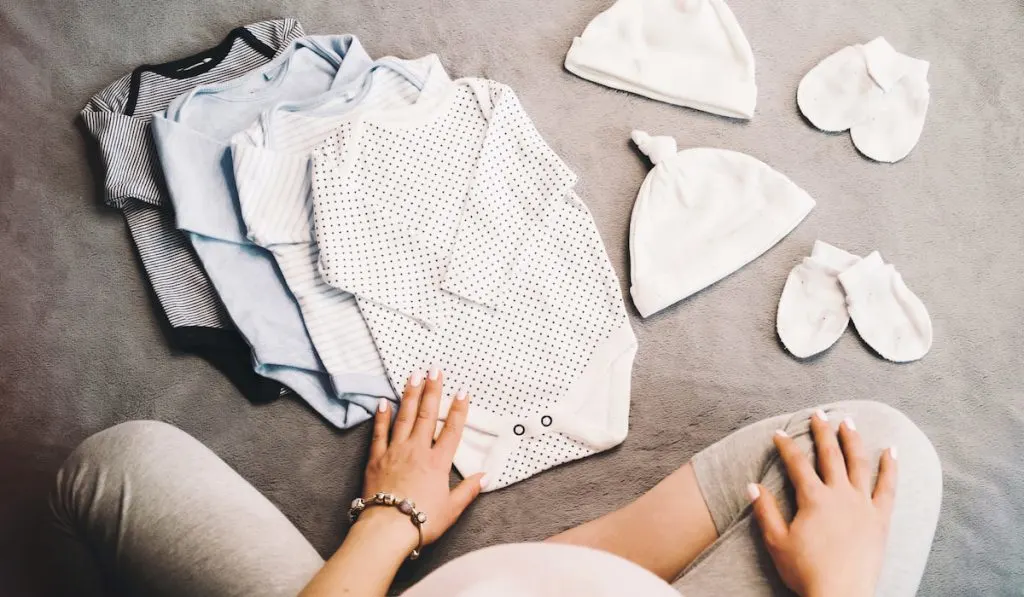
457, 229
118, 117
192, 138
271, 161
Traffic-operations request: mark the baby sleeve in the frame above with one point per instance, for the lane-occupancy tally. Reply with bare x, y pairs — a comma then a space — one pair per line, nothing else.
131, 167
364, 249
518, 180
273, 192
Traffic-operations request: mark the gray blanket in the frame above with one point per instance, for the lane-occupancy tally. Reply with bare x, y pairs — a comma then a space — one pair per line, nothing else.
81, 347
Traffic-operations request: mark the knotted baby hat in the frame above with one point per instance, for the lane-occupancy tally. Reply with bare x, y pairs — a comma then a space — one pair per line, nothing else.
702, 214
685, 52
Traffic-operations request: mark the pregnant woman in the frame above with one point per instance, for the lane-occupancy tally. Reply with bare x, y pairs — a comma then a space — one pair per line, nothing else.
818, 503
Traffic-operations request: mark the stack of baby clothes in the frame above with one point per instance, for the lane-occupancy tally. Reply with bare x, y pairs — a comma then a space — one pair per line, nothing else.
313, 219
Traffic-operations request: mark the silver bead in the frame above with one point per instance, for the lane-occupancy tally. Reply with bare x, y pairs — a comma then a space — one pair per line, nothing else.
358, 504
421, 517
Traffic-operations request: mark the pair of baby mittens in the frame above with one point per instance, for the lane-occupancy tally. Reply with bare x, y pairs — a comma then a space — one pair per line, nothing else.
880, 95
831, 287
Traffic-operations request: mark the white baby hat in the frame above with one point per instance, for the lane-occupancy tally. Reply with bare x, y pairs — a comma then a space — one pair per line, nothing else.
685, 52
702, 214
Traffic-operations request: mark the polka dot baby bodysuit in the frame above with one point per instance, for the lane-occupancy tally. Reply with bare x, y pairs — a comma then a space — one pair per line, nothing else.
456, 228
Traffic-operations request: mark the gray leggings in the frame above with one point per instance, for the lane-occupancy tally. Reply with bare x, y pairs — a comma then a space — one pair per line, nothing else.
160, 514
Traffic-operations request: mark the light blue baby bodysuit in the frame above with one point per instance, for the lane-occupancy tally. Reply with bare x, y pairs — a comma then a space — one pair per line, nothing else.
192, 138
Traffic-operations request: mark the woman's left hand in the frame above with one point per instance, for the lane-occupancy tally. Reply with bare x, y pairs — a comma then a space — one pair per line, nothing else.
835, 544
406, 461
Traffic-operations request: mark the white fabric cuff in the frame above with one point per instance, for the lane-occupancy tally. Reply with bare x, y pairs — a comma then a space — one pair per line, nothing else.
887, 66
725, 89
832, 257
854, 277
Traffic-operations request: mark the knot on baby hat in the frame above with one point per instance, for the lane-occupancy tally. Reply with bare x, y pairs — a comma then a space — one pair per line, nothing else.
701, 216
657, 148
685, 52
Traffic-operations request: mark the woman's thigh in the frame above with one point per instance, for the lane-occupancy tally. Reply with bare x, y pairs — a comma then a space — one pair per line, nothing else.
161, 514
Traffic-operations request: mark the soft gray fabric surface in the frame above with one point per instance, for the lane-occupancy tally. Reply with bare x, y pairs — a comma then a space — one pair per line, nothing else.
81, 348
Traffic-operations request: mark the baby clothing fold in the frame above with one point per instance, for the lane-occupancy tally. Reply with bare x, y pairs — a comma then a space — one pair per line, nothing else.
272, 171
192, 138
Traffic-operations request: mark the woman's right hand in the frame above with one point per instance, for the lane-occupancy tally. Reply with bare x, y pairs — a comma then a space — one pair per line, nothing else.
836, 542
407, 461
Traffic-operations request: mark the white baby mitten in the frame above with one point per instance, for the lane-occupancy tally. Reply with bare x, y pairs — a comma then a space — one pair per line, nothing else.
895, 119
873, 90
888, 316
835, 94
812, 311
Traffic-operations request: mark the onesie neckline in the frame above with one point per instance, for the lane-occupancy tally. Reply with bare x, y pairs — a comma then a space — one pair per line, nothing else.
207, 60
197, 64
434, 85
422, 112
343, 52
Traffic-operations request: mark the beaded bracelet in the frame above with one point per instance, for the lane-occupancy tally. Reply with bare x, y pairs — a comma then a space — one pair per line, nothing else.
404, 506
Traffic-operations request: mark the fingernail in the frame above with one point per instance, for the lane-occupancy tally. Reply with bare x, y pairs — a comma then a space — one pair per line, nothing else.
894, 452
416, 378
781, 433
382, 405
849, 424
484, 482
460, 395
753, 491
821, 414
434, 373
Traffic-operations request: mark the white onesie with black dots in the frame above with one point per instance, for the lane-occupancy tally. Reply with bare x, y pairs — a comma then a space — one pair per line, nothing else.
456, 228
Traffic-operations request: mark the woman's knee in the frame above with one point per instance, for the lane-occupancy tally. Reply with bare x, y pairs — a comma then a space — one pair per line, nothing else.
106, 456
129, 441
881, 426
